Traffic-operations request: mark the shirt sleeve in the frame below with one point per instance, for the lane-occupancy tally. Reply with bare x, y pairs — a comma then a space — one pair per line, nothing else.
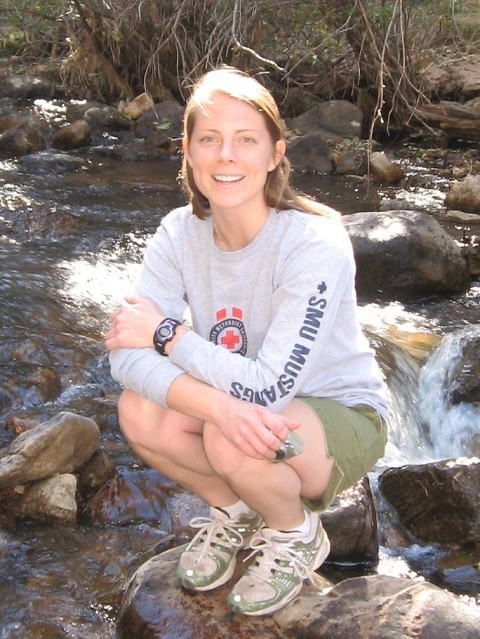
306, 301
143, 370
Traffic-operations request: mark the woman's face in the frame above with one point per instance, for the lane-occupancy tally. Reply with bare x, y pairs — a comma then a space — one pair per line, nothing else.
230, 152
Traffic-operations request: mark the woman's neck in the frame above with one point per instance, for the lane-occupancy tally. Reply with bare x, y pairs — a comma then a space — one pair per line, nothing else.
232, 233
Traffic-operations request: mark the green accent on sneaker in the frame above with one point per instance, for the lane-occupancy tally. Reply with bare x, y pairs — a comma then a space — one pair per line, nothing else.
209, 559
283, 562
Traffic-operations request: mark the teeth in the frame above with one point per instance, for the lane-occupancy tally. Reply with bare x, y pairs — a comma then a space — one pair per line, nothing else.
227, 178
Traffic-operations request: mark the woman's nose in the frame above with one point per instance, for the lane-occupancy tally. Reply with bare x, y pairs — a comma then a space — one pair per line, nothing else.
227, 151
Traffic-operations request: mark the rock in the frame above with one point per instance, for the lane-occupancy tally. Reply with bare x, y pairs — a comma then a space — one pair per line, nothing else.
27, 137
437, 502
340, 117
95, 473
24, 87
311, 152
460, 216
72, 136
446, 80
51, 500
155, 606
59, 445
465, 195
384, 169
52, 162
351, 525
164, 120
138, 106
9, 122
372, 607
377, 607
106, 117
352, 162
464, 378
405, 255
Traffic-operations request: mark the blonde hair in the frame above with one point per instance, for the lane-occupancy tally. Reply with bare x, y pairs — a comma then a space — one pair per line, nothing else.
236, 84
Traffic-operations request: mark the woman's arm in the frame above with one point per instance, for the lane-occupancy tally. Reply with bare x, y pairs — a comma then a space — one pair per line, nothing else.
253, 429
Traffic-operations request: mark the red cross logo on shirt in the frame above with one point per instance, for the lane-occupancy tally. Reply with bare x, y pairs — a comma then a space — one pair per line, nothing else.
229, 331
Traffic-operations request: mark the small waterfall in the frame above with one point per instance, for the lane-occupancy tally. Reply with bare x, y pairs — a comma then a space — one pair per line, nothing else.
454, 427
422, 367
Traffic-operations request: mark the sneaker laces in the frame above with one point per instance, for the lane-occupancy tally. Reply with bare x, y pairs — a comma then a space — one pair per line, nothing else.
274, 552
209, 528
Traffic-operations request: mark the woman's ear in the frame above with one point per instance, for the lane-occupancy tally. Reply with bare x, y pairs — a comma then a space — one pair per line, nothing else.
278, 153
185, 150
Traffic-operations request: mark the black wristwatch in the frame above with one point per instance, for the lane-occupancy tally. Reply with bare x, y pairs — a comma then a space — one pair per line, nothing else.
164, 333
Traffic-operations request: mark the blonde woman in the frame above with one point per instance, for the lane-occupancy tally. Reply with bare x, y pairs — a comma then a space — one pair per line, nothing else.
275, 353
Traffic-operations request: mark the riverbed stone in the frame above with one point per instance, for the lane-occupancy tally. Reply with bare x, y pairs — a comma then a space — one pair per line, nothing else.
27, 137
377, 607
72, 136
52, 161
437, 502
464, 195
60, 445
311, 152
106, 117
25, 86
351, 525
137, 107
461, 216
369, 607
405, 255
51, 500
384, 169
340, 117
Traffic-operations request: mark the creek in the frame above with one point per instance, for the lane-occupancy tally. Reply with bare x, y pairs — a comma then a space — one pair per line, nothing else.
60, 281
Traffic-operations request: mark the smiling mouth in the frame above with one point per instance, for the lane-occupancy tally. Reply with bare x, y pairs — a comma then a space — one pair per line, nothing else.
227, 178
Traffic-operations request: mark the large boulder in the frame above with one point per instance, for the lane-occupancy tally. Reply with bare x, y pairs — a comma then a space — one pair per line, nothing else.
437, 502
405, 255
373, 607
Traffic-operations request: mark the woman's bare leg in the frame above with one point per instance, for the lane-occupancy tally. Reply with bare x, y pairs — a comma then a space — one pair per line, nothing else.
198, 457
172, 443
275, 490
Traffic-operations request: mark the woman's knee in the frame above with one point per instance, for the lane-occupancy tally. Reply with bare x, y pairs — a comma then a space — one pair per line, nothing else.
137, 417
225, 458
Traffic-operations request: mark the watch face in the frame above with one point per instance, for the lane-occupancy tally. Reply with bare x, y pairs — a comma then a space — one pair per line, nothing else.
164, 331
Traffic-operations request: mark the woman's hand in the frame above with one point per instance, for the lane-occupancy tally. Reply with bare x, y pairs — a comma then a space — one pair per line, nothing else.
133, 324
253, 429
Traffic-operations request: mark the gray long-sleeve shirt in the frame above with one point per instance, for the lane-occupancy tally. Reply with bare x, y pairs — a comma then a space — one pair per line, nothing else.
274, 320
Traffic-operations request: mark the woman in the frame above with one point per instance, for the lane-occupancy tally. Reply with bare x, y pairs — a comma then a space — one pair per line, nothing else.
275, 348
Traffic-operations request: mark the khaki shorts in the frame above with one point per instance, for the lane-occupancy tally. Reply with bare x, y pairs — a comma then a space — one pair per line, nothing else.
355, 438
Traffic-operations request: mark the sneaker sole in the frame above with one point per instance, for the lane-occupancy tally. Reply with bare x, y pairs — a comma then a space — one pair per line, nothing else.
322, 554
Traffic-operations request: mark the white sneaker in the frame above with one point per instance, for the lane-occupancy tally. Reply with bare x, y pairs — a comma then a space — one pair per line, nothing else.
209, 559
283, 562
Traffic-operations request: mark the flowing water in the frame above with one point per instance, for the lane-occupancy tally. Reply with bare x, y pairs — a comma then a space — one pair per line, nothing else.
61, 278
